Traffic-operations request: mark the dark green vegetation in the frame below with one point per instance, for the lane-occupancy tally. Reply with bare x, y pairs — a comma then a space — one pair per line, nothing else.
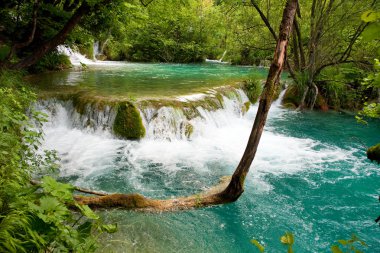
128, 123
324, 76
35, 218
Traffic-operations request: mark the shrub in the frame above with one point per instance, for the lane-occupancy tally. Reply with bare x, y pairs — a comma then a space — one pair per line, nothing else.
253, 88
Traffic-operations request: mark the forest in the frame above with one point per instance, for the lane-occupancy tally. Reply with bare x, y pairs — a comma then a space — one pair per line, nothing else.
189, 126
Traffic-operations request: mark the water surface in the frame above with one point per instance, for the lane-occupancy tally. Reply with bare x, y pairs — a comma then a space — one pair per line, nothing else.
146, 80
310, 176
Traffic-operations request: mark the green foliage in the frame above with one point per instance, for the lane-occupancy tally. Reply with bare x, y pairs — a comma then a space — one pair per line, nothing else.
342, 87
35, 218
52, 61
372, 31
372, 81
253, 88
4, 50
349, 246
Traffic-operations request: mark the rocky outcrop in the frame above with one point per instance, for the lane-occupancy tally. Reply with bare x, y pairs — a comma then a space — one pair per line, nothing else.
373, 153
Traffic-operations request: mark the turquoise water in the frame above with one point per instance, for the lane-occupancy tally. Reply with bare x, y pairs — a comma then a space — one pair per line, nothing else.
310, 177
320, 203
146, 80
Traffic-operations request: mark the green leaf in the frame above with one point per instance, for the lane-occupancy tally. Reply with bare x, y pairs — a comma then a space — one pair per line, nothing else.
288, 238
85, 229
61, 191
372, 32
370, 16
343, 242
336, 249
109, 228
258, 245
86, 211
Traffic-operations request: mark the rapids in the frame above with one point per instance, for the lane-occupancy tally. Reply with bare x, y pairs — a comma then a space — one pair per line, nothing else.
310, 176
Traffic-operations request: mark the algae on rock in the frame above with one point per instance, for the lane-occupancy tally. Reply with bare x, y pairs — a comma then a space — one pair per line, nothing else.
373, 153
128, 123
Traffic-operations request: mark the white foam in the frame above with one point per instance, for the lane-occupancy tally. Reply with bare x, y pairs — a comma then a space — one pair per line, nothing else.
77, 59
219, 137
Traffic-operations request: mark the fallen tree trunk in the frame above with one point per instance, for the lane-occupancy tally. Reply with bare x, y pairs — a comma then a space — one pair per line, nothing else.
227, 190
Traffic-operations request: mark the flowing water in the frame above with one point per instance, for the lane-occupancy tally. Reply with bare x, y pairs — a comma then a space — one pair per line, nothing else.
310, 176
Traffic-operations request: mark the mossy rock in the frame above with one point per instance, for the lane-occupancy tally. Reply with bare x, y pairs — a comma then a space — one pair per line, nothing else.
128, 123
245, 107
189, 129
373, 153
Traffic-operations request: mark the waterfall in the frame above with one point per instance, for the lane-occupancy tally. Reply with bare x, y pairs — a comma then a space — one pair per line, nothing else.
96, 50
278, 102
76, 58
164, 122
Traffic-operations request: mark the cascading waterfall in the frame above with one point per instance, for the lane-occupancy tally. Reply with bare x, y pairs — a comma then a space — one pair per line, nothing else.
75, 57
191, 141
172, 140
165, 122
96, 50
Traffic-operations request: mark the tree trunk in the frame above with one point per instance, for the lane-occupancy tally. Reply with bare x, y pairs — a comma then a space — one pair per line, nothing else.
59, 38
236, 186
226, 191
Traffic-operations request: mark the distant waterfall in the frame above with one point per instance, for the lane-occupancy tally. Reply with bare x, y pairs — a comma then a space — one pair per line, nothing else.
76, 58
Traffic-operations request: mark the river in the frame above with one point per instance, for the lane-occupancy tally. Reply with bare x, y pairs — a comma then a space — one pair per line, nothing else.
310, 175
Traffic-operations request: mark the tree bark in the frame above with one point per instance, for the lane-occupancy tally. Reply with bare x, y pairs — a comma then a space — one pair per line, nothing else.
30, 38
227, 190
236, 186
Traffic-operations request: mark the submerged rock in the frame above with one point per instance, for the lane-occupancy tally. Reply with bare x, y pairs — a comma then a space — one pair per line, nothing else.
128, 123
373, 153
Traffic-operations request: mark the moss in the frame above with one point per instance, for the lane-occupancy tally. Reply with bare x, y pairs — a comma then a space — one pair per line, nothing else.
245, 107
128, 123
277, 92
292, 97
373, 153
189, 129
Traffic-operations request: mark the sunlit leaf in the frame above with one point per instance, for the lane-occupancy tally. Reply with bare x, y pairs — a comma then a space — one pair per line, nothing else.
288, 238
109, 228
336, 249
370, 16
86, 211
258, 245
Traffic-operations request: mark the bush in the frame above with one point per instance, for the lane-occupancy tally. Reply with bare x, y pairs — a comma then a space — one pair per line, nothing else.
253, 88
35, 218
52, 61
